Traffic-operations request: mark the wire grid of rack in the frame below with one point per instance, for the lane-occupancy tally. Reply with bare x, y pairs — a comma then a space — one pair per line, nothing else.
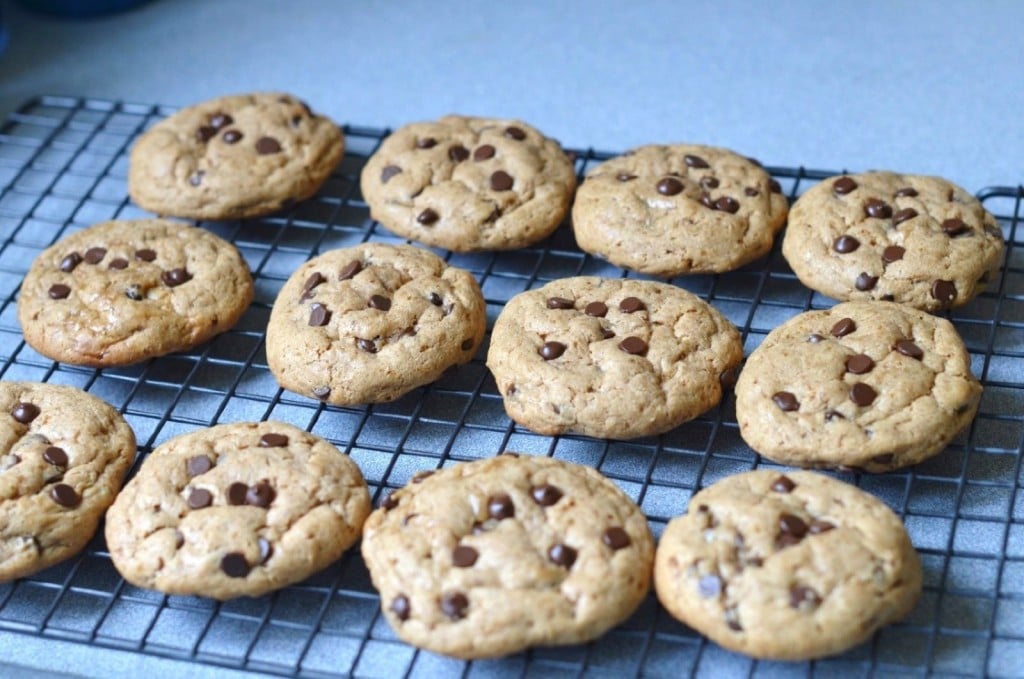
63, 166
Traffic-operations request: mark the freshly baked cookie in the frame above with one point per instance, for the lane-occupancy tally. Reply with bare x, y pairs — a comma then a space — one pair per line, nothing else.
917, 240
469, 184
236, 510
680, 209
234, 156
123, 291
370, 323
868, 385
610, 358
63, 456
490, 557
787, 566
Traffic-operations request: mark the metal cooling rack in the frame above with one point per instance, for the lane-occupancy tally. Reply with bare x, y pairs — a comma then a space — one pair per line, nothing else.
63, 166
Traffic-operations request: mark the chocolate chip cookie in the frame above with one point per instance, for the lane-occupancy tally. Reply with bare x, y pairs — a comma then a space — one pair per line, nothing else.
610, 358
917, 240
236, 510
370, 323
120, 292
469, 184
63, 456
870, 385
679, 209
490, 557
786, 566
235, 156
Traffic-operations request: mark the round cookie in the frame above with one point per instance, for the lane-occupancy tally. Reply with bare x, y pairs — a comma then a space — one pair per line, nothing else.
917, 240
370, 323
490, 557
868, 385
63, 456
236, 510
679, 209
469, 184
234, 156
120, 292
787, 566
610, 358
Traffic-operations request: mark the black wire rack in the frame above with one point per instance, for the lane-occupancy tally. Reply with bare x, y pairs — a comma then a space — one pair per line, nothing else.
64, 165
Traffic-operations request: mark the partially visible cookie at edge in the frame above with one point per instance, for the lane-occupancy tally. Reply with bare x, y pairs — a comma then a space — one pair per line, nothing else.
913, 239
868, 385
668, 210
63, 456
487, 558
234, 156
120, 292
370, 323
237, 509
787, 566
469, 184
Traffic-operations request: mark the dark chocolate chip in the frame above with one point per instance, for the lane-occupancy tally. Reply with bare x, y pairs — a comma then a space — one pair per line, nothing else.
219, 120
818, 526
388, 172
426, 143
793, 525
266, 549
322, 392
500, 507
513, 132
319, 315
55, 456
705, 200
389, 502
750, 191
119, 263
783, 484
546, 495
616, 538
483, 152
316, 278
845, 244
350, 270
267, 145
859, 364
562, 555
197, 178
803, 598
878, 209
366, 345
893, 253
145, 255
427, 217
954, 227
458, 153
843, 327
380, 302
607, 333
634, 346
833, 414
596, 309
709, 586
865, 281
25, 412
670, 186
454, 605
234, 565
95, 255
814, 338
786, 401
68, 264
727, 204
205, 134
501, 181
908, 348
58, 291
903, 215
695, 162
464, 556
260, 495
843, 185
775, 186
435, 299
231, 137
199, 464
236, 493
732, 619
727, 378
625, 177
907, 191
709, 182
273, 440
862, 394
888, 298
559, 303
400, 607
467, 344
64, 495
552, 350
199, 498
175, 277
631, 305
944, 291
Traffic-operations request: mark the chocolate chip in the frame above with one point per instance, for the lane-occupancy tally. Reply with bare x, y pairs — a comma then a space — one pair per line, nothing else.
695, 162
893, 253
705, 200
596, 309
786, 401
727, 204
467, 344
607, 333
25, 412
845, 244
516, 133
260, 495
818, 527
95, 255
64, 495
234, 565
501, 181
865, 281
559, 303
500, 507
145, 255
231, 137
426, 143
322, 392
366, 345
862, 394
625, 177
319, 315
464, 556
266, 549
236, 493
380, 302
562, 555
483, 152
954, 227
944, 291
388, 172
55, 456
296, 121
843, 327
670, 186
400, 607
903, 215
552, 350
908, 348
427, 217
907, 191
119, 263
175, 277
435, 299
727, 378
775, 186
803, 598
833, 414
199, 498
199, 464
205, 134
878, 209
792, 525
68, 264
197, 178
616, 538
389, 502
546, 495
316, 278
58, 291
888, 298
634, 346
273, 440
712, 183
350, 270
219, 120
454, 605
458, 153
783, 484
814, 338
859, 364
843, 185
732, 619
631, 305
709, 586
267, 145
